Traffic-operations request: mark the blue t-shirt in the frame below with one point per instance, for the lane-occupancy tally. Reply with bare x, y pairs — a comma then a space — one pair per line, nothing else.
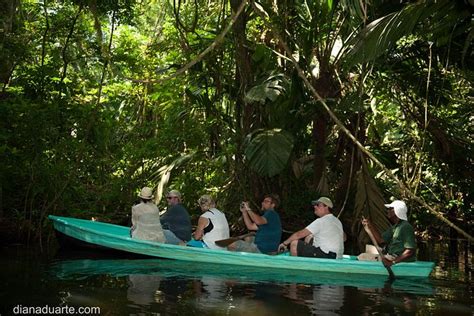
268, 235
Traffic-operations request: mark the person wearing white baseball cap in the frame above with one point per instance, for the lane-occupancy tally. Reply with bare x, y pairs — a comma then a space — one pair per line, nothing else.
399, 239
400, 209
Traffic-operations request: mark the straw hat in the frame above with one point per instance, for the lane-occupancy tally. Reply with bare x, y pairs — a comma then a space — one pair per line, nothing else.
146, 193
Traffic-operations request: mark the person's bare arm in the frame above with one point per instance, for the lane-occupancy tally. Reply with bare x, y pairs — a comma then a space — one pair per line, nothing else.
257, 219
295, 236
369, 227
407, 253
199, 232
247, 220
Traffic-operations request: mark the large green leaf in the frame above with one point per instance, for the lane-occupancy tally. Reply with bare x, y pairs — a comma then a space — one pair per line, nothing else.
382, 34
268, 152
269, 89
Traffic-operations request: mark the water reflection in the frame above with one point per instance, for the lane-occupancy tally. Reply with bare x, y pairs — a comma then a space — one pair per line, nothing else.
211, 291
66, 269
321, 299
143, 289
217, 287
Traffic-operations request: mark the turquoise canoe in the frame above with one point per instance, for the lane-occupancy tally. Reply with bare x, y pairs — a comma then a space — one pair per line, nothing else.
118, 238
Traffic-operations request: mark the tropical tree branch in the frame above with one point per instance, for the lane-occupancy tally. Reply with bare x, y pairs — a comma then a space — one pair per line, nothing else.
199, 57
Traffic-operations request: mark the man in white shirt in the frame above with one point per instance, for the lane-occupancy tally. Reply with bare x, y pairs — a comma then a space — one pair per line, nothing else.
327, 232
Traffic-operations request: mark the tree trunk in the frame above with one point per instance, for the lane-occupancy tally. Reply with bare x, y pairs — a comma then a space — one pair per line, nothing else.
7, 16
244, 113
325, 87
319, 145
243, 76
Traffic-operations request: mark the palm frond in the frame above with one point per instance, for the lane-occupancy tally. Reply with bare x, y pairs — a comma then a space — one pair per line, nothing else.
382, 34
163, 174
369, 202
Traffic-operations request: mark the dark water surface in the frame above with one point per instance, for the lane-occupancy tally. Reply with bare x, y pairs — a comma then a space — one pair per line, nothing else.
131, 286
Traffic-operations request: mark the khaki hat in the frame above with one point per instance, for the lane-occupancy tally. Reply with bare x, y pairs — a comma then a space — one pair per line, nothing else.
175, 193
146, 193
324, 200
400, 209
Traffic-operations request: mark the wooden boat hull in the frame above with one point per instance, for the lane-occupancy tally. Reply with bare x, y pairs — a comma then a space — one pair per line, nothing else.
117, 237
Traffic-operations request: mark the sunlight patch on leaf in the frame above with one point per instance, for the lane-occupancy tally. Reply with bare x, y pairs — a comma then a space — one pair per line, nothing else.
270, 89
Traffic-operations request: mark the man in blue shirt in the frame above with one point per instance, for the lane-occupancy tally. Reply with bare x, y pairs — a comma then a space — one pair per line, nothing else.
267, 226
176, 221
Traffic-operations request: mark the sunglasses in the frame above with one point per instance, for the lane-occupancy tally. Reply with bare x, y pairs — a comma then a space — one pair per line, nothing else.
170, 197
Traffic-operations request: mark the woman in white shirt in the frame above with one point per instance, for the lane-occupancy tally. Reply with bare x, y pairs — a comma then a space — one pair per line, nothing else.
212, 224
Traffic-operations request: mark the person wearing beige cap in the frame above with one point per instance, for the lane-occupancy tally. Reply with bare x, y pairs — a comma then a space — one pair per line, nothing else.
146, 223
176, 221
327, 232
399, 240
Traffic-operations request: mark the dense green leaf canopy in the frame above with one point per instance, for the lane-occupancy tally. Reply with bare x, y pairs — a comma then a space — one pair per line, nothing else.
100, 98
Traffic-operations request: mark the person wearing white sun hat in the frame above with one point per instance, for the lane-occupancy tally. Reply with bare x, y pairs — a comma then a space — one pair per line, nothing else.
146, 223
399, 239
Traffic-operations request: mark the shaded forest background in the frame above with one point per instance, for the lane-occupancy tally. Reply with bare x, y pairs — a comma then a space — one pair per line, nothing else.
237, 99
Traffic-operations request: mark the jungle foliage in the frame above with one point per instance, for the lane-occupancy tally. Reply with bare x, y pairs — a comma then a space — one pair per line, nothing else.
100, 98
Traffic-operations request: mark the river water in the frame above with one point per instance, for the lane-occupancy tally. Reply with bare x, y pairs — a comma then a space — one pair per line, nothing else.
103, 284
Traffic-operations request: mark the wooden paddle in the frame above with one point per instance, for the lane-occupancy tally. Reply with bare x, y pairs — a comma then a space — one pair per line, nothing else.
374, 241
228, 241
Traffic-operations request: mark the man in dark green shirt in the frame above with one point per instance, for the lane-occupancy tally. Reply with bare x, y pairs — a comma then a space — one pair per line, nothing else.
399, 239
